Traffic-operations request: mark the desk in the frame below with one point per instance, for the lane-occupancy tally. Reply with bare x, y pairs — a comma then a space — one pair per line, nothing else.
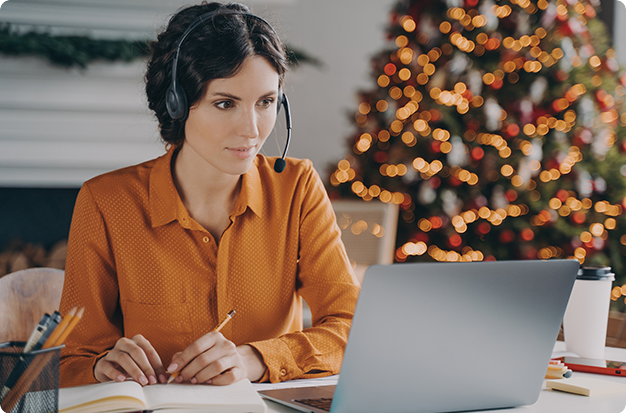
552, 401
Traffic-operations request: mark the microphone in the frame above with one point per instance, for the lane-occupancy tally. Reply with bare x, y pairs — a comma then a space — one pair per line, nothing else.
280, 163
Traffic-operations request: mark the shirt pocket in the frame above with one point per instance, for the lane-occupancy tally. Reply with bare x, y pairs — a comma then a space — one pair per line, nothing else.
166, 326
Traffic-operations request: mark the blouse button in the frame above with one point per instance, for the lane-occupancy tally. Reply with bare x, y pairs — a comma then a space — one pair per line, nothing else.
283, 372
205, 239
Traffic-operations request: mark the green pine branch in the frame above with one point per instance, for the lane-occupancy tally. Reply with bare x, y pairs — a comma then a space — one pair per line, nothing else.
80, 51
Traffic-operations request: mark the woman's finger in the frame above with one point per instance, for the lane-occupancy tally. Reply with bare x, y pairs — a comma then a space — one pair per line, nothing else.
228, 377
183, 361
108, 371
154, 369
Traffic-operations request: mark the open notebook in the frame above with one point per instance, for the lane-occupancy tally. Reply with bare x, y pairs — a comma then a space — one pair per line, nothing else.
129, 396
446, 337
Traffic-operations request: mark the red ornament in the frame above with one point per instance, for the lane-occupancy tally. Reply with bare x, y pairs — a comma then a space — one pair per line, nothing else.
435, 182
579, 217
407, 201
474, 124
484, 228
390, 69
527, 234
436, 222
497, 84
512, 130
507, 236
562, 75
381, 156
511, 195
455, 240
562, 194
478, 153
454, 181
590, 11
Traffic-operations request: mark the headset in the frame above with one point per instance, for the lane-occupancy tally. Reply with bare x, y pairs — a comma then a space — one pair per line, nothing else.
176, 100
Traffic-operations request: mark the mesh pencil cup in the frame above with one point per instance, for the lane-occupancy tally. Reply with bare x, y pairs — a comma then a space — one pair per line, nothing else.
29, 382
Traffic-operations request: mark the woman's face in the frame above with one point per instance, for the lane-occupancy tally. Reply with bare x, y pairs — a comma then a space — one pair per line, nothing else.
234, 117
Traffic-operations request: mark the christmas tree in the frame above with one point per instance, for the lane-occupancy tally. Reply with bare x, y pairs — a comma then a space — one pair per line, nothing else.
498, 127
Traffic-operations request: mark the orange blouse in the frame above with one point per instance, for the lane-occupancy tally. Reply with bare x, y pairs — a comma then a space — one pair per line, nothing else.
141, 265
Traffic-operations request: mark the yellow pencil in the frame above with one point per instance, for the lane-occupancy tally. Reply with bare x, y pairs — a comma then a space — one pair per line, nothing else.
226, 320
69, 327
60, 328
217, 329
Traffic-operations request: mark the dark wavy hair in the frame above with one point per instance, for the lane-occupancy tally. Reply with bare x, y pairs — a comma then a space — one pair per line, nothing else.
213, 50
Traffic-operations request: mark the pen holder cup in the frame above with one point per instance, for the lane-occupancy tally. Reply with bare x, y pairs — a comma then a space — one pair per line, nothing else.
29, 382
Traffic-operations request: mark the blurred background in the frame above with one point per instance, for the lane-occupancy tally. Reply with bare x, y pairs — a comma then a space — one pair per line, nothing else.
65, 118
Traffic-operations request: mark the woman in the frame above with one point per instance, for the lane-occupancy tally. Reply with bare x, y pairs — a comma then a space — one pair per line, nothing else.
160, 252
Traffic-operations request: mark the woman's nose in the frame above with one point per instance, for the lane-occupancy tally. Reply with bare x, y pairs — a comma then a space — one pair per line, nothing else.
248, 124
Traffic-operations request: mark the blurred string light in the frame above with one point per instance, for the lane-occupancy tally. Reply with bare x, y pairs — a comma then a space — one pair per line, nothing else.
359, 227
409, 79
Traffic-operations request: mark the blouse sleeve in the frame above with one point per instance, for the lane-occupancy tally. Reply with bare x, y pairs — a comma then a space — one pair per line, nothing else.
329, 287
90, 280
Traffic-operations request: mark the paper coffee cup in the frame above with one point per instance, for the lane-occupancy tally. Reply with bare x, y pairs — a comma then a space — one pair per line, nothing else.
587, 313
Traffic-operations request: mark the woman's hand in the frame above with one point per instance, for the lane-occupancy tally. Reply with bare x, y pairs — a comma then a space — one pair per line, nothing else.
134, 358
212, 359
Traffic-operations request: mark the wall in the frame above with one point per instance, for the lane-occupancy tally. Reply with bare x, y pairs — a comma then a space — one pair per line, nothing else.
59, 127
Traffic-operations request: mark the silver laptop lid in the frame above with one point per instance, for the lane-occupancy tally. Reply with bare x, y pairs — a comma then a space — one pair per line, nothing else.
445, 337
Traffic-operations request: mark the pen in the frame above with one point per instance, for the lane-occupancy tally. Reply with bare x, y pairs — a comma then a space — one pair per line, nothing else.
37, 332
217, 329
55, 320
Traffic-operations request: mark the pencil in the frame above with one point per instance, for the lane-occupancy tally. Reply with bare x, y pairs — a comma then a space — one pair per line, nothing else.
217, 329
69, 327
60, 328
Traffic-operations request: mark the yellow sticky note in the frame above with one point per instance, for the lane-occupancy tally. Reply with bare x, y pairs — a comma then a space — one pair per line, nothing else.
586, 386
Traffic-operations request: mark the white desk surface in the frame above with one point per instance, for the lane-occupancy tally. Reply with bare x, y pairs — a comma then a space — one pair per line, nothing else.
552, 401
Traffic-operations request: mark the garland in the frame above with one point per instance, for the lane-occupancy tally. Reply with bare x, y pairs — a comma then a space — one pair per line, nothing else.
70, 51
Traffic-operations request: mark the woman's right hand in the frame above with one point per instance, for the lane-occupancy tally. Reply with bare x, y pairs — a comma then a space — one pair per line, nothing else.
131, 357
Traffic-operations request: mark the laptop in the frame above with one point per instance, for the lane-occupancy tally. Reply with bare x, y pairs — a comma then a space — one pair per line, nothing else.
446, 337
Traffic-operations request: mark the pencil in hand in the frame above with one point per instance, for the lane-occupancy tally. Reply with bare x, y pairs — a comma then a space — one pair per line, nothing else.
230, 315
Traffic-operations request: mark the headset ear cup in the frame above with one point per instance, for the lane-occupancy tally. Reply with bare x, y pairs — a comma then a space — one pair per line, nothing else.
176, 102
279, 102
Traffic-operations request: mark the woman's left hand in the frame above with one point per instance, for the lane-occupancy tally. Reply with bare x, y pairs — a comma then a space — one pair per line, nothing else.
213, 359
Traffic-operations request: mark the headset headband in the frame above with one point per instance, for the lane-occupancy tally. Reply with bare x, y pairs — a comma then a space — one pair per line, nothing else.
199, 20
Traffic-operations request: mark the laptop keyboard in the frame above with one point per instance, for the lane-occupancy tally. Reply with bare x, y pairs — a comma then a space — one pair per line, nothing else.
321, 403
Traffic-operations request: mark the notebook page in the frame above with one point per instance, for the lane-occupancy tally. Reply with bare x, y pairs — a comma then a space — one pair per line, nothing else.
83, 398
235, 398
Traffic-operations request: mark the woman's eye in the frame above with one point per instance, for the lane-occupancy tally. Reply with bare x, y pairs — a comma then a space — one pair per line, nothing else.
267, 102
224, 105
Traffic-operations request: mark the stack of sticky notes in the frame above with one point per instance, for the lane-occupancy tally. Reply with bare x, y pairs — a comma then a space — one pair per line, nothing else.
587, 386
557, 370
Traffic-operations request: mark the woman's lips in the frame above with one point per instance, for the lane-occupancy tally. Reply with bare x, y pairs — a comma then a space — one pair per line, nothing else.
243, 152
